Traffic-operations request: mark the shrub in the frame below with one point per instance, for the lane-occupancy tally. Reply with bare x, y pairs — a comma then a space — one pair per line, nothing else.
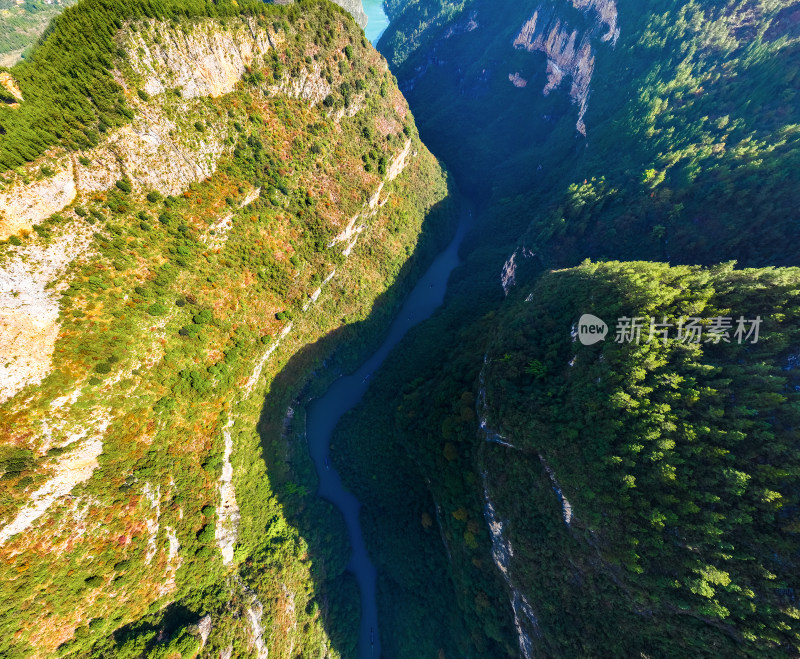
80, 211
153, 197
156, 309
198, 125
94, 581
203, 318
124, 184
143, 94
103, 367
164, 404
206, 534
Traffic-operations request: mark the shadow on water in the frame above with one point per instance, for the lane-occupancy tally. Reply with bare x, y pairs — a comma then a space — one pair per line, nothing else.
289, 442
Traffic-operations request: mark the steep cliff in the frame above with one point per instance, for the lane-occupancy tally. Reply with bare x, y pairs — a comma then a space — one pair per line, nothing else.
625, 498
570, 53
155, 284
356, 9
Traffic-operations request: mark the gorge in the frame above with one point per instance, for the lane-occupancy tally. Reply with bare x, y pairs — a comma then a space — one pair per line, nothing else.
278, 381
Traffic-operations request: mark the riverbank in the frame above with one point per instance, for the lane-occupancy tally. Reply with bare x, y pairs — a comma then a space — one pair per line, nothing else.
307, 375
344, 394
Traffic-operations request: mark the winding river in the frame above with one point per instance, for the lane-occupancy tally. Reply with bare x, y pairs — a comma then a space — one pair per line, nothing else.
378, 20
343, 395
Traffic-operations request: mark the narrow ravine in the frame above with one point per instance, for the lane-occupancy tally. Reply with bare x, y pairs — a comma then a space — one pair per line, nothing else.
343, 395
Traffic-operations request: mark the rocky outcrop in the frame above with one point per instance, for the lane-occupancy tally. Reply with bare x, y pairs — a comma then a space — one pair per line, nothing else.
228, 511
74, 468
8, 83
200, 61
29, 307
525, 620
570, 51
356, 10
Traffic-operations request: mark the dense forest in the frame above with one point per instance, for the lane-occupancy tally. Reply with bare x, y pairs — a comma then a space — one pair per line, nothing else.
647, 489
695, 101
677, 456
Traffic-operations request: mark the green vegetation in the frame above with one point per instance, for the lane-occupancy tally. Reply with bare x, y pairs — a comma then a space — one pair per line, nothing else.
167, 320
678, 459
69, 76
675, 165
414, 25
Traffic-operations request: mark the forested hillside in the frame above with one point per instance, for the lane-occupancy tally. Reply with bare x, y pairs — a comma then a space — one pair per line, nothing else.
674, 460
193, 195
616, 499
690, 148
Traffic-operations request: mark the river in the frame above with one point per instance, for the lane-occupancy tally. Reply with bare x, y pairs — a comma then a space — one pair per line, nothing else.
325, 412
378, 20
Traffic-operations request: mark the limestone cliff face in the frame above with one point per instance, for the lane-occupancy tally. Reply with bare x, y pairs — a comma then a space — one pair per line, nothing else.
356, 9
102, 281
570, 51
158, 149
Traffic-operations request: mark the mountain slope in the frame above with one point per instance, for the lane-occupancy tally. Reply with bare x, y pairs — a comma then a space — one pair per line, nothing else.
607, 500
257, 184
549, 110
655, 479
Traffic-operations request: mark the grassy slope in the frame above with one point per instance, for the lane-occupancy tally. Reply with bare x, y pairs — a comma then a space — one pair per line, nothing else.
168, 393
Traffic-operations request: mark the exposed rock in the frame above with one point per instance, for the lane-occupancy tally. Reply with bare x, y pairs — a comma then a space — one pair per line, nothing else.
29, 307
308, 85
154, 497
152, 150
22, 206
8, 83
71, 469
525, 619
566, 507
227, 528
468, 24
200, 61
570, 52
174, 562
399, 163
204, 627
356, 10
256, 374
517, 80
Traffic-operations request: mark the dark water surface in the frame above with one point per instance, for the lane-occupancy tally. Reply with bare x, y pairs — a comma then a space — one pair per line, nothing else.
343, 395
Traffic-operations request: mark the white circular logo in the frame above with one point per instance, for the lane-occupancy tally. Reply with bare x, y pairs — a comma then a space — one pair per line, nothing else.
591, 329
